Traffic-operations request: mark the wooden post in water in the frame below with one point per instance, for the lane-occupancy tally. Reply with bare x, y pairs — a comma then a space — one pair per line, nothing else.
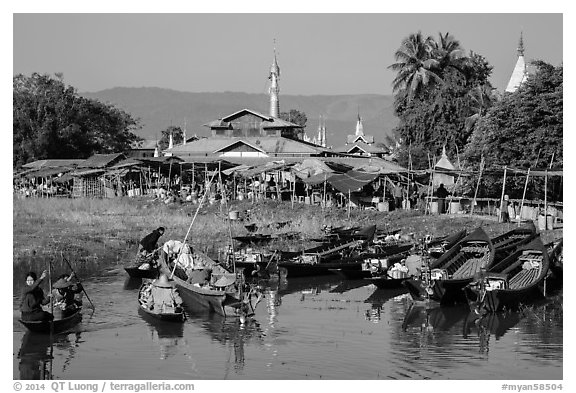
524, 196
546, 200
349, 203
477, 185
502, 196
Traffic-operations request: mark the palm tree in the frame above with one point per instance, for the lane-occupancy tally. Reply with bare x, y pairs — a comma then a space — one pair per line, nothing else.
415, 65
449, 54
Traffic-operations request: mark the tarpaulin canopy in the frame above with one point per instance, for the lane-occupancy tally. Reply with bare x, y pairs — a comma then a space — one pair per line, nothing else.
318, 178
351, 181
237, 169
311, 167
270, 166
382, 167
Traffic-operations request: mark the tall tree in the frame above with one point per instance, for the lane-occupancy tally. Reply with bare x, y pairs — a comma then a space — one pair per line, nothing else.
435, 115
295, 116
50, 120
415, 66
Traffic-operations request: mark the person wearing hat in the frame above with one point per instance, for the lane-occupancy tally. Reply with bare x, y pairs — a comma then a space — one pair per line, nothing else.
33, 299
164, 298
64, 293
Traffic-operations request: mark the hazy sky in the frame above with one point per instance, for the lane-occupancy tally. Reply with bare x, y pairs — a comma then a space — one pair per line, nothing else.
317, 53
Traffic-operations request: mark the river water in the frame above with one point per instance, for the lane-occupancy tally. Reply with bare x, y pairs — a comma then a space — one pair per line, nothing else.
305, 328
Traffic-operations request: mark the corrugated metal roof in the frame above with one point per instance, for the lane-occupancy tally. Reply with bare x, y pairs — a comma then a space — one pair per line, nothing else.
268, 121
271, 145
101, 160
52, 163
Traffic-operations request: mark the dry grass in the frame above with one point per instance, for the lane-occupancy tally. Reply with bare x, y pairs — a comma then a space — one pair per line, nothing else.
95, 233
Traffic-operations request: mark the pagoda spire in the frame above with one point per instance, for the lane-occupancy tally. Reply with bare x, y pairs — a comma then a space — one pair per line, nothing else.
184, 133
359, 126
520, 73
274, 89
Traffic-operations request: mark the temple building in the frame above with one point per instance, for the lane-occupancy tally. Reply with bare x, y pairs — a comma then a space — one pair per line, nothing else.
520, 72
250, 134
363, 145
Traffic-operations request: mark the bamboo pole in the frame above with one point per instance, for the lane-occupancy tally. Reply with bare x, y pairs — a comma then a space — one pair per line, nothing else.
546, 200
477, 185
430, 186
524, 195
349, 203
293, 190
324, 196
502, 196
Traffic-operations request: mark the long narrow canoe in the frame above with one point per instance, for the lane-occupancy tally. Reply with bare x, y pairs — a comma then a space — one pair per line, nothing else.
509, 242
220, 300
135, 272
177, 316
516, 280
455, 269
440, 245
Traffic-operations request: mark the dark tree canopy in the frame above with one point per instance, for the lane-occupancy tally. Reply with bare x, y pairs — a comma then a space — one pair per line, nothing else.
295, 116
525, 128
177, 137
440, 94
51, 121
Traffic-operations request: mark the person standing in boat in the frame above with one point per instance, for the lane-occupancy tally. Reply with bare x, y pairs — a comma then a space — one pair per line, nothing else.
33, 299
149, 243
64, 294
164, 298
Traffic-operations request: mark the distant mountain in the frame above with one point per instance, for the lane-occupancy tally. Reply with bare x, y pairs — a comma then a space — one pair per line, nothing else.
158, 108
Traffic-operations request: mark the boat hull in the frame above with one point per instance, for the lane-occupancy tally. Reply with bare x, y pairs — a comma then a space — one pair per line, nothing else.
134, 272
59, 325
166, 317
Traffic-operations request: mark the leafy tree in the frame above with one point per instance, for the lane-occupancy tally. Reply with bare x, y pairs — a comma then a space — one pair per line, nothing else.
177, 137
415, 66
440, 94
525, 128
50, 120
295, 116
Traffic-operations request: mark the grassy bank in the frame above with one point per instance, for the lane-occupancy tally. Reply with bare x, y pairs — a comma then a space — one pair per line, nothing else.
97, 233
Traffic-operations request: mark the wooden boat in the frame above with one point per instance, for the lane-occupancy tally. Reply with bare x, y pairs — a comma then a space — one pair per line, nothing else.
440, 245
319, 260
371, 262
177, 316
254, 239
556, 258
226, 300
509, 242
516, 280
142, 267
449, 274
135, 272
60, 324
386, 281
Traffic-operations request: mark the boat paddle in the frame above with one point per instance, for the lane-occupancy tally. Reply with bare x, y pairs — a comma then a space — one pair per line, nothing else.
72, 269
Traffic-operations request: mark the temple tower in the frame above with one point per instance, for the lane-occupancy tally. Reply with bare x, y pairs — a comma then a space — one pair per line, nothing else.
274, 88
520, 73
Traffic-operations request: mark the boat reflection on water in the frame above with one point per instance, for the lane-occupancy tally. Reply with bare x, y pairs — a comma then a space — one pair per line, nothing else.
496, 324
231, 332
378, 298
348, 285
132, 283
421, 315
36, 354
168, 335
